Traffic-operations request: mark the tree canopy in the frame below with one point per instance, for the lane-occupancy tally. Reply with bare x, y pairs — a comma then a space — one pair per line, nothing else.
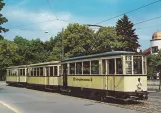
124, 28
2, 20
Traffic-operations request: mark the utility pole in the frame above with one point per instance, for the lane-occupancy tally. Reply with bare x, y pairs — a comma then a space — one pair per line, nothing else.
62, 38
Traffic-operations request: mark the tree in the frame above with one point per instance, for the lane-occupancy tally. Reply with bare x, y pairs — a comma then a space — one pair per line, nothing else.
30, 51
2, 20
56, 54
106, 39
7, 52
124, 28
154, 65
77, 39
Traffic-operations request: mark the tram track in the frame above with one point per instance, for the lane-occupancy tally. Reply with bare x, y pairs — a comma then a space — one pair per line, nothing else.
148, 106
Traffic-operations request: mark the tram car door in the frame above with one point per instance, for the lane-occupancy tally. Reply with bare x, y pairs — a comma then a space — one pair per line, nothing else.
65, 75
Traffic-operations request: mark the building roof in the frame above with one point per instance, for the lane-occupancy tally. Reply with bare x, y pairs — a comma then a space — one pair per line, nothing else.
156, 35
147, 51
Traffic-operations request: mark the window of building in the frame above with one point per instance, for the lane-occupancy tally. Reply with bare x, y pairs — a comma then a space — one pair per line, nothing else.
95, 67
51, 71
128, 64
119, 69
55, 70
79, 68
154, 49
86, 67
111, 66
72, 68
137, 63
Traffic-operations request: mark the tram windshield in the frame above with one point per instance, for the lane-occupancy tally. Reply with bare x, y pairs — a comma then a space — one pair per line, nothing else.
135, 65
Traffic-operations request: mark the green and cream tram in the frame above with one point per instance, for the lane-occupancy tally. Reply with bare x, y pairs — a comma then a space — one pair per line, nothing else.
116, 74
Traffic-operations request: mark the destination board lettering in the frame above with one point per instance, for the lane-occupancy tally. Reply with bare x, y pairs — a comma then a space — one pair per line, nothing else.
82, 79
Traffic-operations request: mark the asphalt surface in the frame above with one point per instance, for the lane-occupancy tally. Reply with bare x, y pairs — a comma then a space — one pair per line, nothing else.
22, 100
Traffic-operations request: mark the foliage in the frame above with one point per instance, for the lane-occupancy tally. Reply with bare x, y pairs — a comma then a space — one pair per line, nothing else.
154, 64
106, 39
2, 20
7, 52
124, 27
77, 39
56, 54
31, 51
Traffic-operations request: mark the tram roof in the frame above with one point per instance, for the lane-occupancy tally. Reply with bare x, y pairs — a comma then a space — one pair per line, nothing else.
111, 53
44, 63
19, 66
36, 64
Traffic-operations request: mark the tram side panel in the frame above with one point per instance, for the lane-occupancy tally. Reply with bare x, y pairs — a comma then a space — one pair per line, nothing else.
12, 77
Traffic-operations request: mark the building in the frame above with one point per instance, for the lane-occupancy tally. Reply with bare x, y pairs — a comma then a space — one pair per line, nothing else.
155, 42
155, 45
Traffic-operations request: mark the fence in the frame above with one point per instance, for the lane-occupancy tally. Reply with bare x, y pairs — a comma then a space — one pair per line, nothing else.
154, 84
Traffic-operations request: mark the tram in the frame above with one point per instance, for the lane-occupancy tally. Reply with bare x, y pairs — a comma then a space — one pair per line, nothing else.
115, 74
16, 75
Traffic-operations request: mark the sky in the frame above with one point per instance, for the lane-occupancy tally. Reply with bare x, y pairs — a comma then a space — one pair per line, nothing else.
33, 19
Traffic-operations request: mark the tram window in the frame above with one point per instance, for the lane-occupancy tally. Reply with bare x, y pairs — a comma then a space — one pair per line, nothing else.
137, 63
86, 67
20, 72
95, 67
79, 68
55, 70
119, 66
41, 71
38, 74
60, 70
72, 68
51, 71
7, 72
47, 71
103, 66
128, 65
31, 71
23, 72
111, 67
34, 71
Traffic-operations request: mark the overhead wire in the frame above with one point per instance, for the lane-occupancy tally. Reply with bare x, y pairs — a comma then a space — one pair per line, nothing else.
147, 20
129, 11
99, 22
51, 9
148, 27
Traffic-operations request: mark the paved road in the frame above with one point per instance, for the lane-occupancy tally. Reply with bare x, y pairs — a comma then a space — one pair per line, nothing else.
21, 100
155, 95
